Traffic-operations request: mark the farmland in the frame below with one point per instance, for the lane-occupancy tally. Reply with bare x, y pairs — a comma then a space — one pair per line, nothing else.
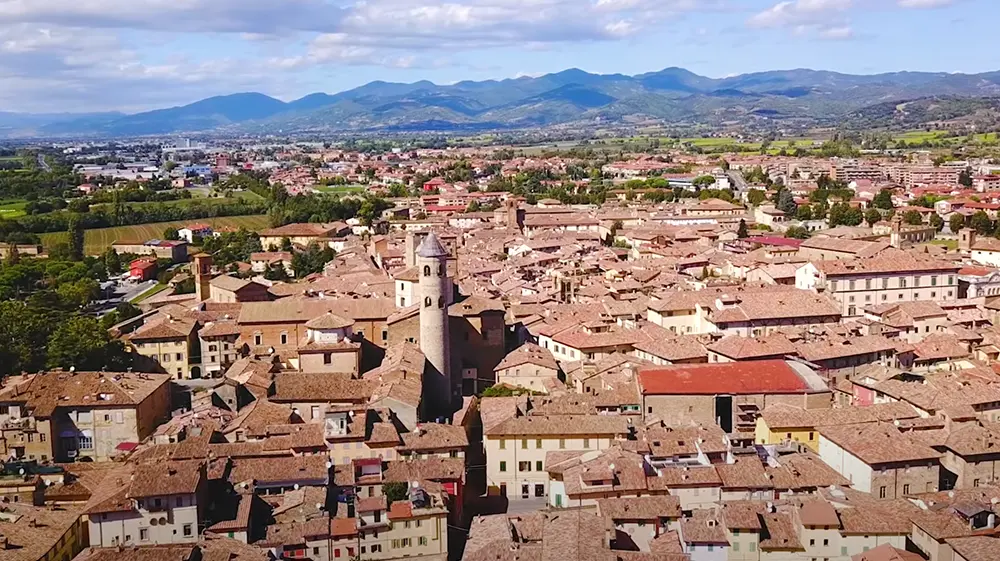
12, 208
340, 189
99, 240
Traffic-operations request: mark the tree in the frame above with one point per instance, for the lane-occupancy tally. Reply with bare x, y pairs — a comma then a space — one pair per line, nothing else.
76, 233
171, 234
395, 491
981, 223
503, 390
276, 272
846, 215
913, 218
13, 255
937, 222
112, 262
122, 312
883, 200
80, 342
956, 222
312, 260
786, 203
804, 213
872, 216
797, 232
23, 337
965, 178
703, 181
742, 232
756, 196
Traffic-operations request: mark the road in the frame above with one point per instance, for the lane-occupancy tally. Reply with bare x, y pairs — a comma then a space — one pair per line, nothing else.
736, 178
525, 506
123, 292
43, 164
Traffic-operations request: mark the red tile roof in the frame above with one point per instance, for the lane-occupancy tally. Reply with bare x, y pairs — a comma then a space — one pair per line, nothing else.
740, 378
400, 509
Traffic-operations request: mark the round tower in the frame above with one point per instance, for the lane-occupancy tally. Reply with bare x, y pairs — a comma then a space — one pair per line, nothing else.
435, 338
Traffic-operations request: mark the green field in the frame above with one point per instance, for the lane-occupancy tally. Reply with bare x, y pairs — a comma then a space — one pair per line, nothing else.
943, 136
340, 189
920, 136
98, 241
196, 201
12, 209
950, 244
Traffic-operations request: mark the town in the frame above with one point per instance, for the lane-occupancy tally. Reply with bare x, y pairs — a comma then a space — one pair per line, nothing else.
608, 350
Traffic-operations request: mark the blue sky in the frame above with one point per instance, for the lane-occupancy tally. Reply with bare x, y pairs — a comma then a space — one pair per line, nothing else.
132, 55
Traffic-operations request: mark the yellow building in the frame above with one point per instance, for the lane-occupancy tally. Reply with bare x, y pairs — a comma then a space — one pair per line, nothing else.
171, 341
779, 424
34, 533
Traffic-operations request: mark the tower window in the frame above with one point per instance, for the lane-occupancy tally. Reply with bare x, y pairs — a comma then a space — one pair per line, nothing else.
427, 302
427, 270
440, 302
441, 270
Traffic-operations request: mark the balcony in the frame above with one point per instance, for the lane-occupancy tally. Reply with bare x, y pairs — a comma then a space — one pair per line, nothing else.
152, 507
25, 423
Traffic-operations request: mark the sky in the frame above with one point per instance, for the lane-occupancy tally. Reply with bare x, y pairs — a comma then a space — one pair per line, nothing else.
71, 56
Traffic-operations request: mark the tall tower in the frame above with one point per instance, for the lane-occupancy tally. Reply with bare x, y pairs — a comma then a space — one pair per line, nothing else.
202, 276
440, 391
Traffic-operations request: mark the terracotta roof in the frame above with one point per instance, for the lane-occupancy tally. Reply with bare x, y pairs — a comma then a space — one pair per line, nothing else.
703, 527
782, 533
737, 378
321, 387
48, 391
529, 353
541, 425
32, 531
171, 478
431, 437
640, 508
329, 320
889, 261
886, 552
878, 444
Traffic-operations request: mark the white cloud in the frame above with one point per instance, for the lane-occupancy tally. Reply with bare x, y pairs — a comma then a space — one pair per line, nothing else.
923, 4
798, 12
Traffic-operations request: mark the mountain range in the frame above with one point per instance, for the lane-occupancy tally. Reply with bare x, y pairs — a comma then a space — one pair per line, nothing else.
672, 95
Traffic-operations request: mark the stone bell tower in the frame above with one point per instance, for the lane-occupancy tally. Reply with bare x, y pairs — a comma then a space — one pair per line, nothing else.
441, 392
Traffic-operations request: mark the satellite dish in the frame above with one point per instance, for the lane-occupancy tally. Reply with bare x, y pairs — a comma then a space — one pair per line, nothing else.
414, 484
296, 486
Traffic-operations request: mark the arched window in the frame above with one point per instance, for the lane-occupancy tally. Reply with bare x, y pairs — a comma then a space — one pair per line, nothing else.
427, 302
441, 270
427, 270
440, 302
